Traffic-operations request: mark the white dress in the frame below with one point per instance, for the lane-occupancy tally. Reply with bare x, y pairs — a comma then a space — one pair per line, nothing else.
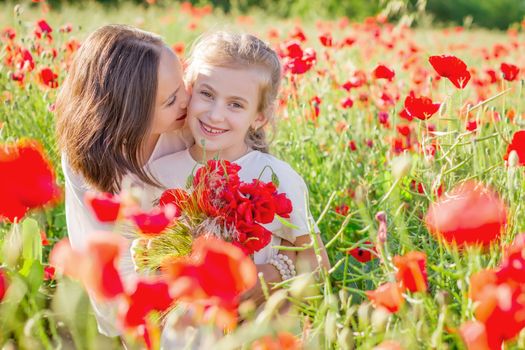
173, 170
81, 223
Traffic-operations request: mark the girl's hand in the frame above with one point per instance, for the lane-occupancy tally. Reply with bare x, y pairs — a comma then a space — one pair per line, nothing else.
271, 275
138, 250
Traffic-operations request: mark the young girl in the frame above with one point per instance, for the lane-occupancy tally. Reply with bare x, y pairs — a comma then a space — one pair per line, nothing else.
234, 80
119, 109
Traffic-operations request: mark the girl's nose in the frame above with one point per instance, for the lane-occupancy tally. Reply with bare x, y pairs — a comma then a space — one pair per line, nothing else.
216, 113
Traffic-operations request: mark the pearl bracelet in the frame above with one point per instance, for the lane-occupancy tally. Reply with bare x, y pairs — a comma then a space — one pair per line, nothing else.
284, 265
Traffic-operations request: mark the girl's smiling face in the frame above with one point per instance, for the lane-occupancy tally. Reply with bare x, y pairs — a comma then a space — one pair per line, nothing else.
224, 105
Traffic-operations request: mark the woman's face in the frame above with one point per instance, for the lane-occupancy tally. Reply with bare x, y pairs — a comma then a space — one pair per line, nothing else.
172, 97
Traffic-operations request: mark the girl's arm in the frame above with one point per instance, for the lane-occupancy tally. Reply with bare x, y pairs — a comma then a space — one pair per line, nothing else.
271, 275
306, 259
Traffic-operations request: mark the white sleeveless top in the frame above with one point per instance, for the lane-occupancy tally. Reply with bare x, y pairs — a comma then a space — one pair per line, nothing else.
81, 223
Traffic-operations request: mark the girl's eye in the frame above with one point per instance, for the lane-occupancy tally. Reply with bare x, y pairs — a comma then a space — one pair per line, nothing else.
205, 93
236, 105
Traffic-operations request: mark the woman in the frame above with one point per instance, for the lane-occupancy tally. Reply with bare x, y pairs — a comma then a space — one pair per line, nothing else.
121, 106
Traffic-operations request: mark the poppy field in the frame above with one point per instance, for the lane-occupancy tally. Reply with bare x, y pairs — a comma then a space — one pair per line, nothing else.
410, 141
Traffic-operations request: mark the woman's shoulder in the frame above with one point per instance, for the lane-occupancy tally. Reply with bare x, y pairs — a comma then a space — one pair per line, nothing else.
170, 143
73, 178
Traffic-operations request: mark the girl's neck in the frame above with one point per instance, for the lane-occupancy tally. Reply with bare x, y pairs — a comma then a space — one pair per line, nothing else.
201, 156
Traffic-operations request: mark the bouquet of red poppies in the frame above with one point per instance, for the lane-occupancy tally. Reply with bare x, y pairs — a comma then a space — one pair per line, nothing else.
217, 204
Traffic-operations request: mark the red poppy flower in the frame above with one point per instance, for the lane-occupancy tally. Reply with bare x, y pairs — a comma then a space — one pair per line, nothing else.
518, 145
383, 72
298, 34
412, 271
474, 335
8, 33
178, 48
3, 284
42, 27
472, 125
283, 205
326, 39
154, 222
283, 341
218, 271
342, 209
27, 179
43, 238
500, 308
105, 206
364, 255
420, 107
95, 265
510, 71
148, 296
405, 115
452, 68
177, 197
48, 78
253, 236
347, 103
388, 296
471, 213
49, 273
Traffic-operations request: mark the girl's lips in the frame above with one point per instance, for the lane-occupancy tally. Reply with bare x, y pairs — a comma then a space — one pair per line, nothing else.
211, 131
182, 117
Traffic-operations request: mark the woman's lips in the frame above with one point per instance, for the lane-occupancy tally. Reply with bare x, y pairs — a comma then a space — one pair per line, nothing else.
182, 117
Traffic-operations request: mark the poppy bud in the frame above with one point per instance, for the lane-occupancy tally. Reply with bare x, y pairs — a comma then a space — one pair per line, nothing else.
330, 326
275, 302
379, 319
363, 314
401, 166
301, 285
345, 339
514, 159
360, 194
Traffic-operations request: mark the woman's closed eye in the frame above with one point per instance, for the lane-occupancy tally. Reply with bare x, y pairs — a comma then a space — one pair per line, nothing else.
172, 101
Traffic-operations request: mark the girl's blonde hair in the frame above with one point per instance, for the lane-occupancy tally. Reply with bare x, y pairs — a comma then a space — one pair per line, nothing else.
106, 104
233, 50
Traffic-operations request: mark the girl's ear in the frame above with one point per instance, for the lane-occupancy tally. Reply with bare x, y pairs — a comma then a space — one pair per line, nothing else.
260, 121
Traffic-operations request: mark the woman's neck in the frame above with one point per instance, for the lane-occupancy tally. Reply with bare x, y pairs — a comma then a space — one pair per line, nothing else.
149, 147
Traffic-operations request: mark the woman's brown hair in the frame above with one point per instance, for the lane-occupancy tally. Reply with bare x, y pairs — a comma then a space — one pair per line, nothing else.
105, 106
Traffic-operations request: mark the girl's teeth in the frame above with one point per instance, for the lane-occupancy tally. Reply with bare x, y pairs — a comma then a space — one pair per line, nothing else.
212, 131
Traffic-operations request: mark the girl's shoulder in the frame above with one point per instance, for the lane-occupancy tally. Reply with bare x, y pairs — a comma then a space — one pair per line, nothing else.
172, 170
262, 165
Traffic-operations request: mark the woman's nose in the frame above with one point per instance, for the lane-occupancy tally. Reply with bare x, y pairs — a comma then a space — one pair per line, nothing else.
185, 100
